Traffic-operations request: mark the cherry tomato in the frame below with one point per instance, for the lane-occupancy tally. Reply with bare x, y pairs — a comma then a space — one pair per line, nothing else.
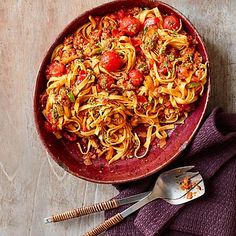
141, 100
163, 71
130, 25
70, 136
82, 76
105, 81
55, 69
111, 61
151, 22
171, 23
136, 77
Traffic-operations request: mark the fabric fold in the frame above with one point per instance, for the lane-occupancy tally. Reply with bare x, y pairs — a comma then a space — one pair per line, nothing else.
213, 152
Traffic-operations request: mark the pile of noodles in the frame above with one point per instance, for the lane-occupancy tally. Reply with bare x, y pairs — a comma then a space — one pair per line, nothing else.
106, 115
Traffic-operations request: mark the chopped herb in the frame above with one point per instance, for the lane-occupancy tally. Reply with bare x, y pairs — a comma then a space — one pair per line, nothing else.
145, 29
141, 66
193, 85
165, 64
71, 96
171, 57
175, 32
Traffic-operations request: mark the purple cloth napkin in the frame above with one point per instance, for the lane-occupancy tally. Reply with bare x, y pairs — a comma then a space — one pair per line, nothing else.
213, 152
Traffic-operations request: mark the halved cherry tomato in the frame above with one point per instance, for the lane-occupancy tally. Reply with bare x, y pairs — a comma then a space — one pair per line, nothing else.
171, 23
82, 76
141, 100
55, 69
111, 61
136, 77
163, 71
70, 136
130, 25
151, 22
105, 81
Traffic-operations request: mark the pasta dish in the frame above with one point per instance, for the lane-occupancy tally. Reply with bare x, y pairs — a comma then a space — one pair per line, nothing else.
122, 82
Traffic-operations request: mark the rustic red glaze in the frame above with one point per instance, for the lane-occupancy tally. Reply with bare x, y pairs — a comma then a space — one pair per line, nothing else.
66, 154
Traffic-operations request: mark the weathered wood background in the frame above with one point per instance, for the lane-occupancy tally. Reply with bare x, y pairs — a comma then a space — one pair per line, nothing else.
31, 185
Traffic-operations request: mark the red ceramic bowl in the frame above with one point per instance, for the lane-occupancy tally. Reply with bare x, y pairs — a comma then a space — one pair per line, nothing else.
66, 154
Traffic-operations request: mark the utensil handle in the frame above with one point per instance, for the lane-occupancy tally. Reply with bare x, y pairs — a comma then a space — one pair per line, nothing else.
105, 225
83, 211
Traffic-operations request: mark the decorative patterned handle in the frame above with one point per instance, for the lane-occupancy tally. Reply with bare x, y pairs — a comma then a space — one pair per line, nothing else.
85, 211
105, 225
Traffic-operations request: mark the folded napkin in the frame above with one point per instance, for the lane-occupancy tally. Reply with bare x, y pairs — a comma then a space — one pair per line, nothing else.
213, 152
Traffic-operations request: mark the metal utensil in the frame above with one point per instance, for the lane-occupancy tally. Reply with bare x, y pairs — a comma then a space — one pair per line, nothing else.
168, 187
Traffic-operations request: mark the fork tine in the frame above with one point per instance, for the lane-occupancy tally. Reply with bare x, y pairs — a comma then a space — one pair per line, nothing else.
192, 174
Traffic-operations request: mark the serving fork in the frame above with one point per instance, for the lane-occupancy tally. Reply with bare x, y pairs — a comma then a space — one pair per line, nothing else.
169, 187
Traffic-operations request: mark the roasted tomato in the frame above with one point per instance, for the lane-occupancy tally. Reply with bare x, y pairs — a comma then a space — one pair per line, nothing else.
105, 81
55, 69
151, 22
136, 77
111, 61
130, 25
171, 23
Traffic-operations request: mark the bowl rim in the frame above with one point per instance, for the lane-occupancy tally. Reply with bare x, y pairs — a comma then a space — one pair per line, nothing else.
56, 41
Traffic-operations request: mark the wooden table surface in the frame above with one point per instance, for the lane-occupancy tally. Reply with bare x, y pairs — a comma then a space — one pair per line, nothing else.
31, 185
